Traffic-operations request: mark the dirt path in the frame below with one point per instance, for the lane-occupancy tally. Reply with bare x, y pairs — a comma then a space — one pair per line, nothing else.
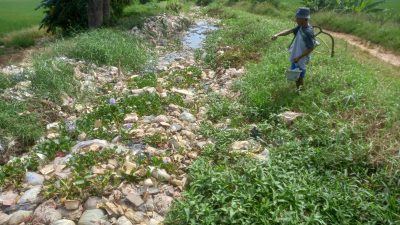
372, 49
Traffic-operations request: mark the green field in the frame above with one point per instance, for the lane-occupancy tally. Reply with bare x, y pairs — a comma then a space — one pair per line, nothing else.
393, 4
17, 14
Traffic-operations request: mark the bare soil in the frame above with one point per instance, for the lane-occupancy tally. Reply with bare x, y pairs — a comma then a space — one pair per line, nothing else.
375, 50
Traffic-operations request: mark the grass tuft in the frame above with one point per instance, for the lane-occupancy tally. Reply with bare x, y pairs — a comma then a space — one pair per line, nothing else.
105, 47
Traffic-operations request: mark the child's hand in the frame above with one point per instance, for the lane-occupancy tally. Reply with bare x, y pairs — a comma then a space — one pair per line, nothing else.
296, 60
274, 37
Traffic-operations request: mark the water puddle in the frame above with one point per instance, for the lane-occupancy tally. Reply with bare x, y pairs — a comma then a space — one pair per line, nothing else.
193, 39
196, 35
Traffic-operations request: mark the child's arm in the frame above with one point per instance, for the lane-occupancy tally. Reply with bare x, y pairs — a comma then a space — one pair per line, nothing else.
282, 33
305, 53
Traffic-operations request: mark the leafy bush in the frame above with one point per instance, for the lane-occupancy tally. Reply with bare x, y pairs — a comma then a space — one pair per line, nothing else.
356, 6
174, 5
204, 2
72, 15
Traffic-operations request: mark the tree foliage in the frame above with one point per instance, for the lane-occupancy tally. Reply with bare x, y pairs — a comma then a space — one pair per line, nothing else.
73, 14
356, 6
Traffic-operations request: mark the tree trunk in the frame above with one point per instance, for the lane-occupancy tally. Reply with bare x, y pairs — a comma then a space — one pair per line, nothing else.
106, 11
95, 13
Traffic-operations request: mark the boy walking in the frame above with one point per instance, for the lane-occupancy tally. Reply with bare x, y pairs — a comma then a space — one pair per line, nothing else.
303, 44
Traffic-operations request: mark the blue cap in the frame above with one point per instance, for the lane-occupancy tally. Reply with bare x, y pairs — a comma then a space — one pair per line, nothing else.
303, 13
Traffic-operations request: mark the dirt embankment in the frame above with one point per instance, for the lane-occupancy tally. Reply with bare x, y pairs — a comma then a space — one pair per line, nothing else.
375, 50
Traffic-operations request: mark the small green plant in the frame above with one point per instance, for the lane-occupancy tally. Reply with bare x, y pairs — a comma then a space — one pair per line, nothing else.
175, 99
13, 173
174, 5
113, 113
184, 78
155, 140
4, 82
219, 107
148, 80
50, 147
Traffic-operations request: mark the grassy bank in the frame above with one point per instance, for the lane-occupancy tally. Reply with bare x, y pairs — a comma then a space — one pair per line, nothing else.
18, 14
374, 28
380, 28
50, 78
336, 165
19, 23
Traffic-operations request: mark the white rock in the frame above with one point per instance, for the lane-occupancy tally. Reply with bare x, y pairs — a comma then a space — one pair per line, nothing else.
53, 126
91, 217
82, 136
31, 195
263, 156
123, 221
48, 169
289, 117
20, 217
241, 145
160, 119
136, 217
148, 119
71, 204
148, 182
33, 178
161, 174
8, 198
46, 213
86, 144
185, 116
131, 118
4, 218
91, 203
135, 199
63, 222
176, 127
162, 203
182, 91
73, 215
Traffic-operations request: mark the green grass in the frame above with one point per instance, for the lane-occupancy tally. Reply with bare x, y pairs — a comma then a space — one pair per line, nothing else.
51, 79
16, 121
373, 27
18, 14
105, 47
147, 80
379, 28
135, 14
392, 4
22, 38
336, 165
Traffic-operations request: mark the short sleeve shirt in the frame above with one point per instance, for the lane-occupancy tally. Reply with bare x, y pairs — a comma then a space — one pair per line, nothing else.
304, 39
307, 34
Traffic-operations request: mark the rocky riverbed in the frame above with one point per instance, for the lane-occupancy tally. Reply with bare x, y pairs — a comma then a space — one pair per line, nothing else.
141, 177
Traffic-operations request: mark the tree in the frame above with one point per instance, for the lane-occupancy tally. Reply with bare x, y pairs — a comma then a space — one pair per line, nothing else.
79, 14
